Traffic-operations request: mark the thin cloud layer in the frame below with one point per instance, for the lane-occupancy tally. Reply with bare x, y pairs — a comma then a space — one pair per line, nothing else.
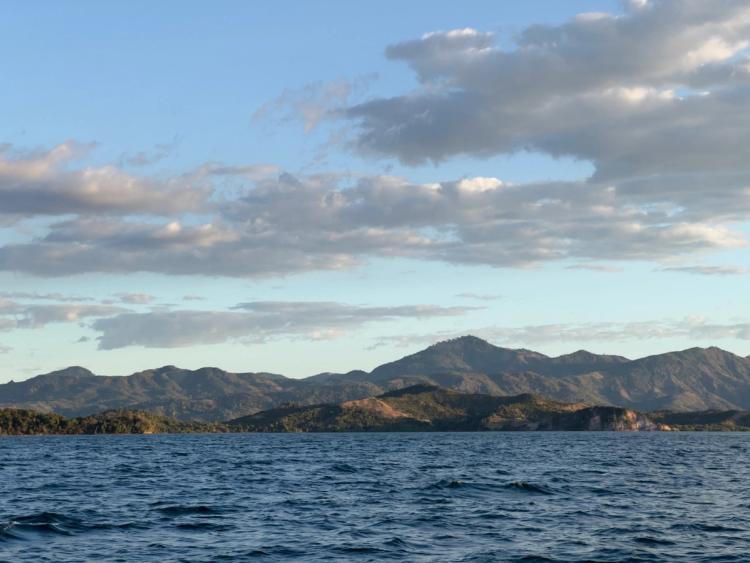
696, 329
710, 270
251, 322
691, 328
18, 315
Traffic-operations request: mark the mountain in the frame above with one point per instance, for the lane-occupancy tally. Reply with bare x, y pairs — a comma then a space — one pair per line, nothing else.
427, 408
203, 394
690, 380
469, 354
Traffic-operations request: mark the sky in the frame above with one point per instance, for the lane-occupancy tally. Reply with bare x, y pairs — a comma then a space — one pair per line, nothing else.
300, 187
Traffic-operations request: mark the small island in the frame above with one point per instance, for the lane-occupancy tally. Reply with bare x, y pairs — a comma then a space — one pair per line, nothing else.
19, 422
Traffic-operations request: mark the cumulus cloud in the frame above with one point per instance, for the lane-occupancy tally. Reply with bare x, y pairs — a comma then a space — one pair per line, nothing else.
256, 321
657, 98
47, 183
294, 224
615, 90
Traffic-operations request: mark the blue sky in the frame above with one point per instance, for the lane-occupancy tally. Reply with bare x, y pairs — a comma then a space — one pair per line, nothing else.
300, 187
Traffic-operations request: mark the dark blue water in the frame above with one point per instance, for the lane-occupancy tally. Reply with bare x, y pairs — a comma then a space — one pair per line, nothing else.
372, 497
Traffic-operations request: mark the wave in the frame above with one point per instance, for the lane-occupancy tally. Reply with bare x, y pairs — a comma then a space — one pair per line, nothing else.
182, 509
648, 540
521, 486
343, 468
203, 527
699, 527
22, 527
529, 488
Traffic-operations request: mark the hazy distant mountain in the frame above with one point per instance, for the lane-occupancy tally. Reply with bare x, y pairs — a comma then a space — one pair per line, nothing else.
694, 379
203, 394
470, 354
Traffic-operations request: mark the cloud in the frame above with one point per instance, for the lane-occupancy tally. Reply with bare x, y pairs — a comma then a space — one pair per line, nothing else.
690, 328
256, 321
36, 296
479, 296
147, 158
45, 183
292, 224
710, 270
313, 102
15, 315
135, 298
657, 98
595, 268
614, 90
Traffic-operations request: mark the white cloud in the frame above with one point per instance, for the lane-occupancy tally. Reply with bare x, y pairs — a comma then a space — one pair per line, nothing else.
658, 99
45, 183
295, 224
602, 89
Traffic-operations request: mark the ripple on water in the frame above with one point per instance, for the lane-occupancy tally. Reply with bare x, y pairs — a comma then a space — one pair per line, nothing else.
401, 497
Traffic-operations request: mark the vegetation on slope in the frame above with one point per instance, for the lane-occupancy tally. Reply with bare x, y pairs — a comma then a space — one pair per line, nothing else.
25, 422
424, 407
417, 408
711, 420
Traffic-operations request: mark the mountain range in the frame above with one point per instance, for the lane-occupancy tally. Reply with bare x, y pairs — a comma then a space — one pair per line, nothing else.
690, 380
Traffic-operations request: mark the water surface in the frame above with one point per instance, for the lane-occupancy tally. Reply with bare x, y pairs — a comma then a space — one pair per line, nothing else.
371, 497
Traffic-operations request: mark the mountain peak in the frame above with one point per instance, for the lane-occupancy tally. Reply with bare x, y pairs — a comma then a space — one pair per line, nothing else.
586, 357
466, 354
467, 340
71, 371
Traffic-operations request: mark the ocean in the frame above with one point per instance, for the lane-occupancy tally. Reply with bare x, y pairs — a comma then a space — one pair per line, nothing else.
470, 497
